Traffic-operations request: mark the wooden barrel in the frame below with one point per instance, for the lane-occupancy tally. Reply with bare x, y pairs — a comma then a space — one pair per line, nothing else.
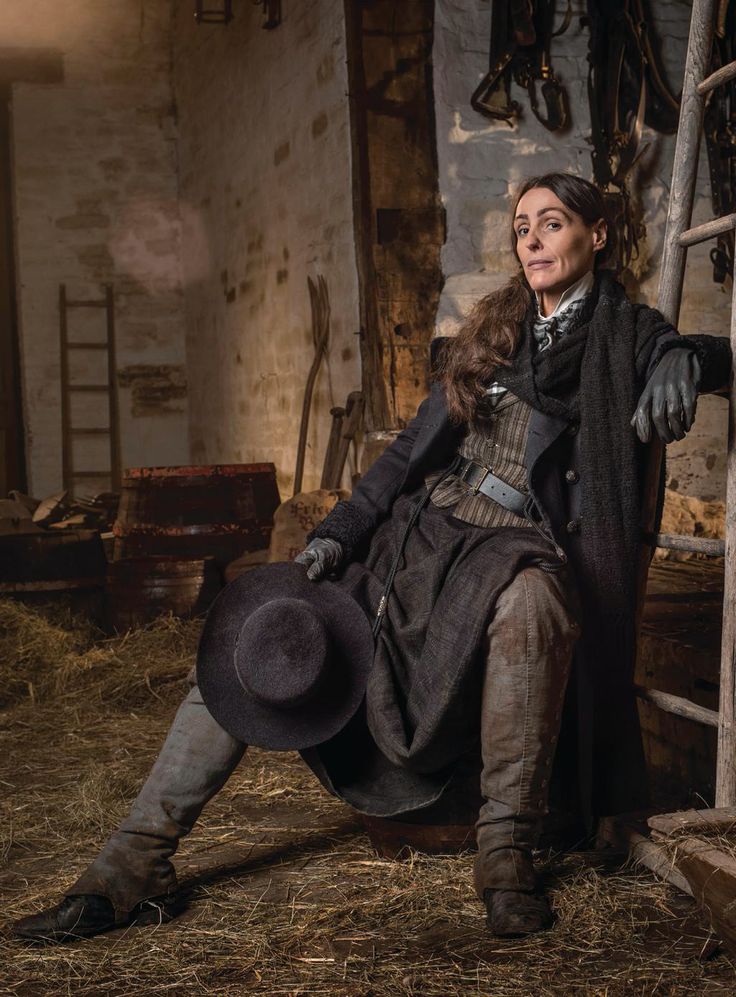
51, 561
220, 511
448, 825
445, 827
141, 588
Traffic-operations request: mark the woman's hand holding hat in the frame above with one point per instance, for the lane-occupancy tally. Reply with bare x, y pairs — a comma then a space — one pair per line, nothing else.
321, 557
669, 399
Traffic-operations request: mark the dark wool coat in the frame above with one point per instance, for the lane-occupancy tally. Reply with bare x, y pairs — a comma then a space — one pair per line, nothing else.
605, 744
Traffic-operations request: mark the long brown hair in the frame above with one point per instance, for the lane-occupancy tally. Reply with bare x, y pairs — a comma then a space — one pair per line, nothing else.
489, 336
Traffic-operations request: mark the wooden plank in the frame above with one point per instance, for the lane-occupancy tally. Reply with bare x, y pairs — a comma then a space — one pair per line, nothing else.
86, 346
87, 387
726, 764
717, 79
710, 870
112, 383
67, 464
678, 705
79, 431
708, 230
625, 833
86, 303
694, 820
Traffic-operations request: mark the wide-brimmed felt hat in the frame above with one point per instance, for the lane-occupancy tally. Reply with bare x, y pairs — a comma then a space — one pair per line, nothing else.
283, 661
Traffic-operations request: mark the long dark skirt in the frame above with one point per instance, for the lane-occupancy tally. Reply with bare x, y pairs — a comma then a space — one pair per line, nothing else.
421, 711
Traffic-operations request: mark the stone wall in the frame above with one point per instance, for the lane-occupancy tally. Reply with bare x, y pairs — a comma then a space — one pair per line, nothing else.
266, 201
96, 202
481, 162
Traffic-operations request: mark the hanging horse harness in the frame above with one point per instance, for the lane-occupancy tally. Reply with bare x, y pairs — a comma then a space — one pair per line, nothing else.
521, 36
720, 139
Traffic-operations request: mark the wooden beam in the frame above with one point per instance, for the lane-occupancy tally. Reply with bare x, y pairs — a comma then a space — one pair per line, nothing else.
687, 148
708, 230
726, 764
712, 819
717, 79
626, 833
697, 545
678, 706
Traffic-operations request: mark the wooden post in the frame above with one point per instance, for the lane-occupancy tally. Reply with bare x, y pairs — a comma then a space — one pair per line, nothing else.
726, 764
67, 465
679, 214
112, 383
687, 150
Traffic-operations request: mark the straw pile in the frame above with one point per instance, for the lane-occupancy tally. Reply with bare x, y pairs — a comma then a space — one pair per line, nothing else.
284, 894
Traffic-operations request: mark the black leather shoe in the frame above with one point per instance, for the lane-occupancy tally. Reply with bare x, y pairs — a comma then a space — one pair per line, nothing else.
82, 916
513, 914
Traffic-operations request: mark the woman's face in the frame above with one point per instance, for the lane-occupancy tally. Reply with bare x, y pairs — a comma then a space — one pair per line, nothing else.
554, 244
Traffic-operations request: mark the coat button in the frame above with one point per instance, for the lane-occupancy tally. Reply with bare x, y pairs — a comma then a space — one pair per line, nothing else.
573, 526
573, 428
572, 477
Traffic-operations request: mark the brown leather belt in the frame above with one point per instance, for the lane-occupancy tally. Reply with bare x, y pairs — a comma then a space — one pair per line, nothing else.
482, 479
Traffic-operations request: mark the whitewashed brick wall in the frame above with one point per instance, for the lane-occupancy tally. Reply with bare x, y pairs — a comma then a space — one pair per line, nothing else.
266, 200
96, 202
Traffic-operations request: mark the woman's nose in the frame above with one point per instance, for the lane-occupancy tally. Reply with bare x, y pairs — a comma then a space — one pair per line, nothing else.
534, 242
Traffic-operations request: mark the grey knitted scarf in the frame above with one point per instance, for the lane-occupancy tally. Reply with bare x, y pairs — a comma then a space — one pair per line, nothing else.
594, 374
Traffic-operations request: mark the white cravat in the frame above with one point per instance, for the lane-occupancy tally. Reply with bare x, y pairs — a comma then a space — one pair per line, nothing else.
574, 292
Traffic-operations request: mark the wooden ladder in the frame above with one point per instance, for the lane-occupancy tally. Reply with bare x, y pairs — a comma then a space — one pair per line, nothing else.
108, 387
678, 238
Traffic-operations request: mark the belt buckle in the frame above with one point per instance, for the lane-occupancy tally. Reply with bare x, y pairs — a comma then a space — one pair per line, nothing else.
487, 470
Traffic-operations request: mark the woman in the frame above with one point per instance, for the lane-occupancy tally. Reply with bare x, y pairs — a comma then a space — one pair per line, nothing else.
503, 519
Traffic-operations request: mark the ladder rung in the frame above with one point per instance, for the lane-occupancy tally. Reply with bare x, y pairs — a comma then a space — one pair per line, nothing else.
86, 303
717, 79
91, 474
89, 387
86, 346
679, 706
79, 431
696, 545
701, 233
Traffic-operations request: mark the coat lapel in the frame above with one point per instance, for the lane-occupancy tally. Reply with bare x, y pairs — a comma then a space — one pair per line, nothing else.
437, 439
543, 431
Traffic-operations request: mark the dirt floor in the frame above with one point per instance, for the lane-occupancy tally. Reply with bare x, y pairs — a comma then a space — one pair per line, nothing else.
283, 892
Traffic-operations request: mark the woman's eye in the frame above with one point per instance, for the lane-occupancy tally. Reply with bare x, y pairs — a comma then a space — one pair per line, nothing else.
522, 230
554, 226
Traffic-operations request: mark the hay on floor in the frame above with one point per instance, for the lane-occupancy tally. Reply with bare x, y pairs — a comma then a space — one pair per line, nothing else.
283, 892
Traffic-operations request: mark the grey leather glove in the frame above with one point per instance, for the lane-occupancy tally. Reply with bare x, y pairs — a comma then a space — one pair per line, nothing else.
322, 556
670, 397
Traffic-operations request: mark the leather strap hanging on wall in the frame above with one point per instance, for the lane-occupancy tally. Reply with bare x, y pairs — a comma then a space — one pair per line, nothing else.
627, 88
521, 36
720, 139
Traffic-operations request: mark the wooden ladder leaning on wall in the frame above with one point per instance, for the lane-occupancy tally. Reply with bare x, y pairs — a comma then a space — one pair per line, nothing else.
678, 238
106, 388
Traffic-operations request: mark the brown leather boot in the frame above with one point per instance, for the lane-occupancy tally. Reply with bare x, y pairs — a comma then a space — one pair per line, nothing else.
79, 916
132, 878
528, 659
513, 914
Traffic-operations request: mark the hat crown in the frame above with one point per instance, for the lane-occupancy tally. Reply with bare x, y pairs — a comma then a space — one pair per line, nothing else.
283, 652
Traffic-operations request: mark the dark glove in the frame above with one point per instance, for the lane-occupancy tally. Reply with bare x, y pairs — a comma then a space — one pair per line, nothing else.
321, 556
670, 397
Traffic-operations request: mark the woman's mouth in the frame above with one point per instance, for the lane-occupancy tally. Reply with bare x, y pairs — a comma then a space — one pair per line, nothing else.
539, 264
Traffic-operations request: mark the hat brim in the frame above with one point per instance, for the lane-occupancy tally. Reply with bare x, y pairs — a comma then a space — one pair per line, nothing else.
257, 723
